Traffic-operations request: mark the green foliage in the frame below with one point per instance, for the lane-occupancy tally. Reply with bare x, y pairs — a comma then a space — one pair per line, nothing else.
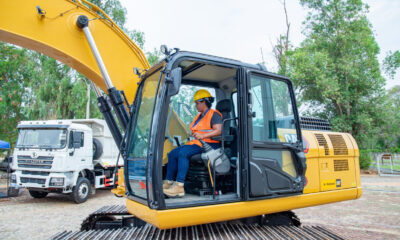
282, 46
153, 57
136, 36
336, 71
392, 63
15, 74
54, 87
115, 10
365, 160
395, 150
184, 100
387, 135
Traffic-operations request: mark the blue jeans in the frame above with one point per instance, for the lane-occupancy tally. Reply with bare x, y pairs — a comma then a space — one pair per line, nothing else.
178, 161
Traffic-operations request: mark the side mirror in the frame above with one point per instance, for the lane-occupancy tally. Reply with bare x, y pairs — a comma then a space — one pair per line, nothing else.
71, 152
77, 139
174, 81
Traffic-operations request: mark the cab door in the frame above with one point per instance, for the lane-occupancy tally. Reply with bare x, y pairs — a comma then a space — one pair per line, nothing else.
276, 162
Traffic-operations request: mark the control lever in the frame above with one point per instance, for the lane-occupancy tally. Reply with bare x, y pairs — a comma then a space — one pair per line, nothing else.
177, 141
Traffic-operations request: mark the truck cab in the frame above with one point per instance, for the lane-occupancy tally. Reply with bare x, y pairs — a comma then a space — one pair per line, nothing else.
64, 156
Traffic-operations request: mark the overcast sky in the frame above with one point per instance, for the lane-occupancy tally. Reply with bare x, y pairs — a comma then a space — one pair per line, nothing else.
239, 29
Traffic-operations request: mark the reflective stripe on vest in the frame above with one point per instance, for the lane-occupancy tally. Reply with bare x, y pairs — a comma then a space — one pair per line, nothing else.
204, 125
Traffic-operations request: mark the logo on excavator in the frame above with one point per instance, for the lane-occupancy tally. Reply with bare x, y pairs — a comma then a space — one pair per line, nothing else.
338, 182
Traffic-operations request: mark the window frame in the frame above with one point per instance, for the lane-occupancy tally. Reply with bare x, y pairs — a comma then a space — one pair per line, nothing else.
134, 116
274, 77
161, 205
294, 148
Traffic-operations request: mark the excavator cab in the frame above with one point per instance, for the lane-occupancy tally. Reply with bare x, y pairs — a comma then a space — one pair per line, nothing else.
261, 135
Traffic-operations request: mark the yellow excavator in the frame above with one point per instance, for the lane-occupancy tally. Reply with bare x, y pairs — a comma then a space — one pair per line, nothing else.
271, 161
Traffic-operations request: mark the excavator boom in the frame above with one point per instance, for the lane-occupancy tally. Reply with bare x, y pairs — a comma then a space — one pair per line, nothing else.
49, 27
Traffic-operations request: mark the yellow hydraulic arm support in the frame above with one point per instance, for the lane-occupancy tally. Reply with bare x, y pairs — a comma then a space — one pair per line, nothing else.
54, 33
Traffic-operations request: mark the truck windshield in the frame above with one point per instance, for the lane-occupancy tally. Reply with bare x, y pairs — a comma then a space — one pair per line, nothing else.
140, 133
42, 138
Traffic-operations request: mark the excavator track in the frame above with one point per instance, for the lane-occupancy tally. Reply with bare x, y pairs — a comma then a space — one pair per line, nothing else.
107, 212
206, 231
213, 231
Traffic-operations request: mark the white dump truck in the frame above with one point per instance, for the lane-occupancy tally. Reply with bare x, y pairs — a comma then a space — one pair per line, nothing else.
65, 156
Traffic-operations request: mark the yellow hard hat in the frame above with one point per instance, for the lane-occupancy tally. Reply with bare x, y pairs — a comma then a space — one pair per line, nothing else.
200, 94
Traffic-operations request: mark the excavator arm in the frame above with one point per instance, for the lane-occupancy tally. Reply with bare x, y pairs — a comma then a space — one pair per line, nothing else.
49, 27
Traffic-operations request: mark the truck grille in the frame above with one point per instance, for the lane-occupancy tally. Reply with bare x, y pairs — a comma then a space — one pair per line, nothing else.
33, 180
35, 173
43, 162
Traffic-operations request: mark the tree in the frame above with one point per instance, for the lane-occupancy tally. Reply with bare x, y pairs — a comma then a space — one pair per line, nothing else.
15, 73
115, 10
335, 69
389, 134
280, 50
282, 46
153, 57
392, 63
54, 87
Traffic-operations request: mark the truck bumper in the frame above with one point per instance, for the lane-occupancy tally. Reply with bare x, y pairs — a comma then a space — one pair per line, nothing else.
41, 181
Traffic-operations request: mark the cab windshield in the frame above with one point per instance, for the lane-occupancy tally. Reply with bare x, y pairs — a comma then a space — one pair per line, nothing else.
140, 133
42, 138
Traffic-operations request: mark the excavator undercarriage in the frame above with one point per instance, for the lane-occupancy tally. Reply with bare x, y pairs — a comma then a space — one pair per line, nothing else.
115, 222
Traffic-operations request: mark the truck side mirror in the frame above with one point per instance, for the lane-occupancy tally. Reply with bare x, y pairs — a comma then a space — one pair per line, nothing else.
174, 81
77, 139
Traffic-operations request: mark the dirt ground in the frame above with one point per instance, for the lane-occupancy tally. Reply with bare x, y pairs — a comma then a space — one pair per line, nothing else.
376, 215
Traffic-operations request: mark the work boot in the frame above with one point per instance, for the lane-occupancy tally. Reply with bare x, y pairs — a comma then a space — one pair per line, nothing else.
176, 191
167, 184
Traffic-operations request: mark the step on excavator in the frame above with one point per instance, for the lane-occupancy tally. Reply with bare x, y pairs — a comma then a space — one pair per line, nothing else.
271, 161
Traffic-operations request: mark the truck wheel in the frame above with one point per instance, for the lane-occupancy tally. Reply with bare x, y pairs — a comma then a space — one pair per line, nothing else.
97, 149
38, 194
82, 190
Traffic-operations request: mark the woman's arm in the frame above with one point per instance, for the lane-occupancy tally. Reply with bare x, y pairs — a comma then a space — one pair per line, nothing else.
217, 131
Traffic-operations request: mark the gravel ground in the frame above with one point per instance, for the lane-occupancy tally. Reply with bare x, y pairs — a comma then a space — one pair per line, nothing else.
376, 215
24, 217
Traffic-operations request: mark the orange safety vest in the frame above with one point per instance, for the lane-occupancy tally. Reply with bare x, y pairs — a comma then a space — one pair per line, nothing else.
204, 125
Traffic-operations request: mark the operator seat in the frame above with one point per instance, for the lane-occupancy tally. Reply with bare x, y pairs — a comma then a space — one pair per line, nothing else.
198, 178
225, 108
